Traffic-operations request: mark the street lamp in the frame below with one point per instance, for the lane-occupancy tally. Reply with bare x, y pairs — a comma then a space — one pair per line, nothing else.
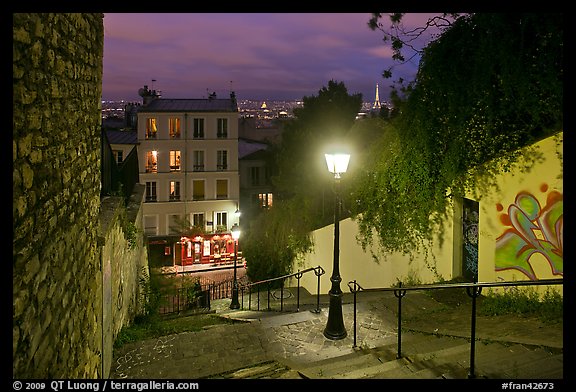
235, 304
337, 164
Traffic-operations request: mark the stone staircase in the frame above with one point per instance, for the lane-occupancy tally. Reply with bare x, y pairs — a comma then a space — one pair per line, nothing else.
424, 356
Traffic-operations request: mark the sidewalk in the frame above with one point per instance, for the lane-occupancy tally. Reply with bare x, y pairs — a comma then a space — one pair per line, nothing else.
291, 344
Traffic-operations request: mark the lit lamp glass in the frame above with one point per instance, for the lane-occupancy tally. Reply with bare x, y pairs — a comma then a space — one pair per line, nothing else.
337, 163
235, 232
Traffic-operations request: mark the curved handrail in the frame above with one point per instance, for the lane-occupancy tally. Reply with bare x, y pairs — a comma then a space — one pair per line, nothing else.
472, 289
286, 276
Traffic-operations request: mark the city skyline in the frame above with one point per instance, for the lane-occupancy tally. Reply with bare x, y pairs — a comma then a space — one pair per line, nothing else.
259, 56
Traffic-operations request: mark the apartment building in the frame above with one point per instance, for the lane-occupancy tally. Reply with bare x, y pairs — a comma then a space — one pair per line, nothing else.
188, 161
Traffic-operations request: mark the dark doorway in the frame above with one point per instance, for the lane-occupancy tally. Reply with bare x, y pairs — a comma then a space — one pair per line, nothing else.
470, 234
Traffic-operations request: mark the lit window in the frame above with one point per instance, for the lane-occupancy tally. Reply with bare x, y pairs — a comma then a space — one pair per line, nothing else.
152, 162
265, 200
151, 129
174, 191
175, 160
174, 127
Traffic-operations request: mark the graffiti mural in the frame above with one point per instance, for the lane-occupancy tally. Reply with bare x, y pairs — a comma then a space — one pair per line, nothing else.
531, 229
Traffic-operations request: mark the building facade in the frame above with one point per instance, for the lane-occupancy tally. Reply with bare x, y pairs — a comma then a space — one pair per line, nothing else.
188, 162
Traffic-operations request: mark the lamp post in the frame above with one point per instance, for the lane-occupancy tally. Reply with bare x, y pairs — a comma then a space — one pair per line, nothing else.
235, 304
337, 164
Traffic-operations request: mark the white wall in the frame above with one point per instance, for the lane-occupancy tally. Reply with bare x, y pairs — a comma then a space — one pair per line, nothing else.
369, 271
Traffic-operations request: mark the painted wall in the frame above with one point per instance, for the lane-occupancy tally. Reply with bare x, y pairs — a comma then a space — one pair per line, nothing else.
521, 225
519, 236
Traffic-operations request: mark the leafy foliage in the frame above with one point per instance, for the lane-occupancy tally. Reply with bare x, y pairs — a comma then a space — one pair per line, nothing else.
489, 85
275, 239
528, 302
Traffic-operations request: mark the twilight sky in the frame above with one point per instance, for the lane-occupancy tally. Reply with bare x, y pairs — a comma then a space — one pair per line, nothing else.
261, 56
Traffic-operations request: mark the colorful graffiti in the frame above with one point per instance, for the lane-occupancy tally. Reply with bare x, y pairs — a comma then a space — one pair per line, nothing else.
531, 230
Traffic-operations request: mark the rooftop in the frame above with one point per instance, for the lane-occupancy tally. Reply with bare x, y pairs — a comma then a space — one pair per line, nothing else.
190, 105
122, 137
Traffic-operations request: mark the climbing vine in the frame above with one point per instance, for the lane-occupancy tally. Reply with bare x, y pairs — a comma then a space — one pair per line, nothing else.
490, 85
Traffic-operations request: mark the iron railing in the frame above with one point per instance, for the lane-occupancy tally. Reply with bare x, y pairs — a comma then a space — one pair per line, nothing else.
270, 283
176, 300
179, 300
472, 289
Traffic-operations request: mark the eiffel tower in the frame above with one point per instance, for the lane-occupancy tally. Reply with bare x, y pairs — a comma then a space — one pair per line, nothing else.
377, 104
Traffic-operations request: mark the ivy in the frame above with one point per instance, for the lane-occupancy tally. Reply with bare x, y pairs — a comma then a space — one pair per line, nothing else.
131, 232
489, 86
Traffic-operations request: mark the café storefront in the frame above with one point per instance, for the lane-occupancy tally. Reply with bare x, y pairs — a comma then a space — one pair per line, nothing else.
214, 249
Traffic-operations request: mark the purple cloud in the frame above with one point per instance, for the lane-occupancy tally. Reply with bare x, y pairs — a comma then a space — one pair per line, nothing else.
258, 55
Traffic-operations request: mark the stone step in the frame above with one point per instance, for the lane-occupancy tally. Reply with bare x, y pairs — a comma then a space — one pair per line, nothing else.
547, 368
518, 361
425, 356
498, 360
374, 370
421, 344
265, 370
455, 348
335, 366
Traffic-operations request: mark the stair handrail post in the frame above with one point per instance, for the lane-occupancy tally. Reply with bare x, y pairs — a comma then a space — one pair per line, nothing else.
399, 293
281, 295
298, 276
473, 292
354, 288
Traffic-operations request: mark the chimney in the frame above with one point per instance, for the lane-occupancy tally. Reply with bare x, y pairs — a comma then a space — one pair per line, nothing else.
147, 95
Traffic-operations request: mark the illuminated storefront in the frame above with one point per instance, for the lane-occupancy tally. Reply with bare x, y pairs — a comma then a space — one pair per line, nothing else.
206, 249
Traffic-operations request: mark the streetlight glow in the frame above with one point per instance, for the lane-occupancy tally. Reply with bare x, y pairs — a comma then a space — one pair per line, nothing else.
337, 164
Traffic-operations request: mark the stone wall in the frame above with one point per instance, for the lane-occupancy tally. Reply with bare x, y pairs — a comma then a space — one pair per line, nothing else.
58, 243
124, 262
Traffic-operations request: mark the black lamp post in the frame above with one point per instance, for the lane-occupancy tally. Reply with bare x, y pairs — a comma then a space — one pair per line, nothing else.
235, 304
337, 164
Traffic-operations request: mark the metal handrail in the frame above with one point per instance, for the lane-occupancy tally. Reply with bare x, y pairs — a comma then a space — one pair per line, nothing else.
318, 271
472, 289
